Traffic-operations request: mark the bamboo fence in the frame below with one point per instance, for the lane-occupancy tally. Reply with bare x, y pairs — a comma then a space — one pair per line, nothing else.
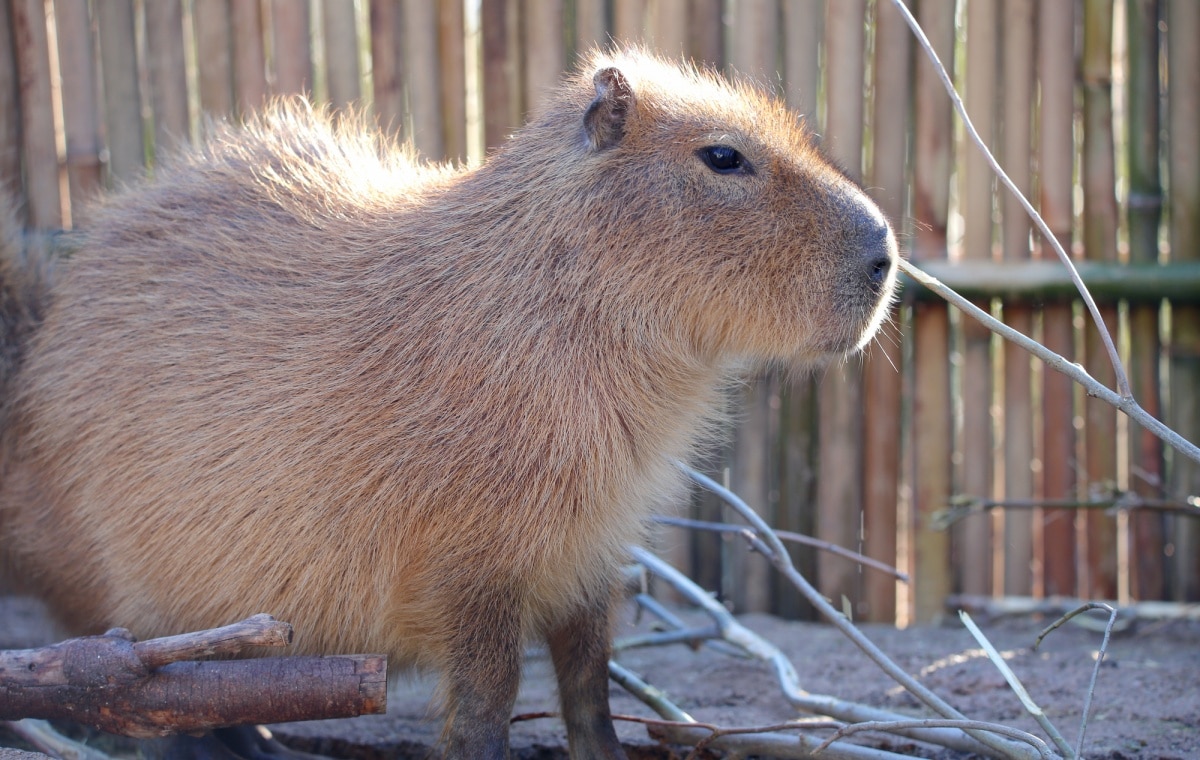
1093, 107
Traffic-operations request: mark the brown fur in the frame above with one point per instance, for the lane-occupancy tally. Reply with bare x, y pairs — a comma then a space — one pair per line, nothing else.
415, 409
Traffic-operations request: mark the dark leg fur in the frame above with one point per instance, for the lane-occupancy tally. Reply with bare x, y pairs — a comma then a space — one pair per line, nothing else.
580, 649
482, 680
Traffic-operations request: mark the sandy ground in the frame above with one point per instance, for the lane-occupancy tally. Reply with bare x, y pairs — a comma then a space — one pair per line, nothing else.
1147, 700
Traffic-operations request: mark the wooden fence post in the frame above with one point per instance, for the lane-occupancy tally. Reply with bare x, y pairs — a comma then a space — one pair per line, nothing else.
883, 381
1099, 472
931, 431
1018, 427
1056, 75
1183, 115
971, 539
1147, 563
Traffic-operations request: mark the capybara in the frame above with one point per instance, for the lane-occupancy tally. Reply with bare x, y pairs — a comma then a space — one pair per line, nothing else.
414, 409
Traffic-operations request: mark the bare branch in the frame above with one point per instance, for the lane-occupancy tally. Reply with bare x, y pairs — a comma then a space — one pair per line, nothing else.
147, 689
1108, 629
1047, 234
974, 725
785, 673
1077, 373
1015, 684
779, 557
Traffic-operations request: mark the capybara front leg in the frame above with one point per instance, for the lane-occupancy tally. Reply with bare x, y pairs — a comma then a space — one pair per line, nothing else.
482, 678
580, 650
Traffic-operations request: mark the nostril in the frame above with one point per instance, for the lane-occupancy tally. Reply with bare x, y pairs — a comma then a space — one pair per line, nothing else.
879, 267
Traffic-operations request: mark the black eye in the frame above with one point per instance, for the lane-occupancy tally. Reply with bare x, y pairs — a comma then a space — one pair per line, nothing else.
723, 159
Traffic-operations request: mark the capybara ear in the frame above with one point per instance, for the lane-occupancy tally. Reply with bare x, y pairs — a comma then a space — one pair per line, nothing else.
605, 117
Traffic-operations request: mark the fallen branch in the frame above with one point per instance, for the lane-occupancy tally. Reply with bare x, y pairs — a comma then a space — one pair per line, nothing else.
759, 648
153, 688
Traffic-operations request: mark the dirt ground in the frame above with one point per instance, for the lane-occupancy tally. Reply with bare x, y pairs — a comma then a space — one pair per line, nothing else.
1147, 700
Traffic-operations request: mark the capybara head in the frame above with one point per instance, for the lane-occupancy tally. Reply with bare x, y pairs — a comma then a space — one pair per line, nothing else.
709, 203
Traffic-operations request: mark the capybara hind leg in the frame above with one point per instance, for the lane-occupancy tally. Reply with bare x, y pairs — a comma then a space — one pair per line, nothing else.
482, 679
580, 650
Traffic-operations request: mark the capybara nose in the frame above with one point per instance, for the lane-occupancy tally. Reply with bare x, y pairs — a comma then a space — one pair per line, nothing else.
877, 250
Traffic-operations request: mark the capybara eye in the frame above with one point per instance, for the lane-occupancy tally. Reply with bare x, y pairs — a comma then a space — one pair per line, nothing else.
723, 159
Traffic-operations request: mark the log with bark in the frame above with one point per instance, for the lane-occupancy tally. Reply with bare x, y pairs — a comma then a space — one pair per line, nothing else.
160, 687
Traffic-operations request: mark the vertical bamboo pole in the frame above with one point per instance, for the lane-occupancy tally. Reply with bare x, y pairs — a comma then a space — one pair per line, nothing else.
81, 114
387, 69
122, 103
748, 578
629, 21
1183, 114
931, 422
291, 49
249, 56
452, 56
499, 61
214, 42
1099, 244
341, 53
882, 431
971, 538
803, 22
10, 108
754, 41
802, 26
42, 184
545, 50
1018, 77
667, 30
421, 76
168, 75
591, 25
840, 390
1147, 567
706, 27
1056, 75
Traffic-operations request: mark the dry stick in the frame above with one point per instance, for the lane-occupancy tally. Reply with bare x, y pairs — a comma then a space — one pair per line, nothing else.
1108, 629
1118, 368
787, 535
1014, 733
1017, 687
684, 729
759, 648
656, 608
779, 557
1057, 362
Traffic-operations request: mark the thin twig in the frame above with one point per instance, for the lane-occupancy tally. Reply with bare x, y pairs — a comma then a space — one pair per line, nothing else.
654, 607
1108, 629
684, 729
1047, 234
1077, 373
785, 673
1015, 684
787, 535
779, 557
975, 725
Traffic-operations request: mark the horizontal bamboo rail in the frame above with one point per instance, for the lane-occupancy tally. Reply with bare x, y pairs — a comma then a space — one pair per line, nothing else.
1045, 280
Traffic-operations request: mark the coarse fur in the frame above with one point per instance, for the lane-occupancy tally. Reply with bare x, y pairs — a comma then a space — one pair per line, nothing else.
416, 409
